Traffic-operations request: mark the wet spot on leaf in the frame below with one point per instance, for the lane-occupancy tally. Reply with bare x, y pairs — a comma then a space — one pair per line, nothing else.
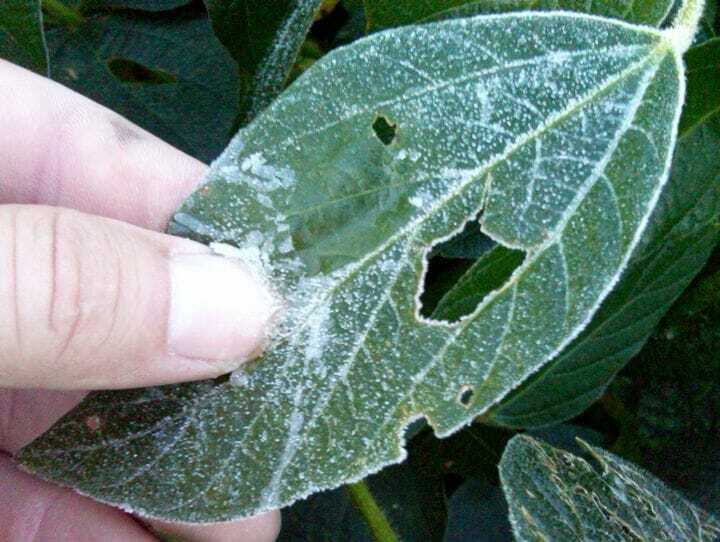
385, 130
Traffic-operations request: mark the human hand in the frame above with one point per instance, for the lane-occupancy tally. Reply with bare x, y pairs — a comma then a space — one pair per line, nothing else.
93, 297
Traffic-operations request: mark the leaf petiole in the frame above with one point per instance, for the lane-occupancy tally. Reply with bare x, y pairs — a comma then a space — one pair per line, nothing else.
683, 29
365, 503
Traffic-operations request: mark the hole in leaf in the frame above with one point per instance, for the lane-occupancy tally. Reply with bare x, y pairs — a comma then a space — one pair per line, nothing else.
462, 271
384, 130
465, 396
129, 71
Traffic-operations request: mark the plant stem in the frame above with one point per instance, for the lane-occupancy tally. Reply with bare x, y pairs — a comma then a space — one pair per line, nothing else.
63, 14
686, 23
365, 503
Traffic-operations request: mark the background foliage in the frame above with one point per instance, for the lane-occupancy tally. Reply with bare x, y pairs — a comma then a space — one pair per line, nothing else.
643, 381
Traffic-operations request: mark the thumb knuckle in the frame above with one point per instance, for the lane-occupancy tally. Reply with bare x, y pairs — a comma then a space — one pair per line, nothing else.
59, 286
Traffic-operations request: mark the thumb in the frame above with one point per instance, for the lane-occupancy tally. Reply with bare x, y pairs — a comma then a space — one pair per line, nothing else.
88, 302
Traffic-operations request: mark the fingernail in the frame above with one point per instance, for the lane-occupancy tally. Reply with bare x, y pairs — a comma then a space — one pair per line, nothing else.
219, 308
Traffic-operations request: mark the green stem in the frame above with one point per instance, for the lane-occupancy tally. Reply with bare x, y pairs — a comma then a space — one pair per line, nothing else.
365, 503
686, 23
63, 14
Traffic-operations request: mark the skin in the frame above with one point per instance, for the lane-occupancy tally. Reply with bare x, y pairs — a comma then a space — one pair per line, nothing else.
60, 152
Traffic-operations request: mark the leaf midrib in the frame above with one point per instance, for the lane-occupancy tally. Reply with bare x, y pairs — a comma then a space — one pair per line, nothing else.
295, 139
480, 172
460, 326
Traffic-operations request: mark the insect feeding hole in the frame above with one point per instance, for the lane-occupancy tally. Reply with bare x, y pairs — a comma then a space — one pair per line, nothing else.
385, 130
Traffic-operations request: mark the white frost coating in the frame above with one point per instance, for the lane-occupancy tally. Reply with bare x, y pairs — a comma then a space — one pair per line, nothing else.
685, 26
422, 199
352, 359
317, 336
638, 505
239, 378
267, 178
294, 425
271, 74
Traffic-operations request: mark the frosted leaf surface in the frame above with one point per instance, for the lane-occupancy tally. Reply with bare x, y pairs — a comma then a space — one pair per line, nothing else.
555, 495
560, 127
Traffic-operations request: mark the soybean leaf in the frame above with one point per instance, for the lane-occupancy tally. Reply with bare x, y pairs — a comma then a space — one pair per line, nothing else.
389, 13
560, 127
488, 273
680, 238
471, 243
264, 38
140, 5
21, 34
671, 397
111, 59
555, 495
703, 70
477, 512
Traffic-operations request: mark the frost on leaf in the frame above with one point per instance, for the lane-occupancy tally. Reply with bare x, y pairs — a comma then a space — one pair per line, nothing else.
557, 127
555, 495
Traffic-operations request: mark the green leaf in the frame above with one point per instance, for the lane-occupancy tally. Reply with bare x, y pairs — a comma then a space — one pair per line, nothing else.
390, 13
21, 34
264, 38
555, 495
189, 84
471, 243
477, 512
671, 396
680, 238
559, 126
140, 5
487, 274
703, 96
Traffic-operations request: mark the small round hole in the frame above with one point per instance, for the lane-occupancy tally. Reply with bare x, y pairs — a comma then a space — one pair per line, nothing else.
465, 396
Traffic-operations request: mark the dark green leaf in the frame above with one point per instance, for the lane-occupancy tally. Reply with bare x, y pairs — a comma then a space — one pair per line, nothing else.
678, 242
469, 244
264, 38
189, 94
703, 93
21, 34
490, 272
671, 398
478, 512
140, 5
555, 495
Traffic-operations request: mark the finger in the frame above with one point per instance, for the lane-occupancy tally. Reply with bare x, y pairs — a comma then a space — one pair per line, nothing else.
261, 528
88, 302
26, 414
35, 511
60, 148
